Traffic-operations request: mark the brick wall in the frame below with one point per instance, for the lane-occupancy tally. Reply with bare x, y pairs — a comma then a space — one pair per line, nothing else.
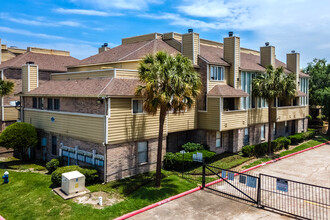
122, 159
79, 105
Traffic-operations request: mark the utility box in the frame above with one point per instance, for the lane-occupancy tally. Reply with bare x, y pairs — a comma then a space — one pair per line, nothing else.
73, 182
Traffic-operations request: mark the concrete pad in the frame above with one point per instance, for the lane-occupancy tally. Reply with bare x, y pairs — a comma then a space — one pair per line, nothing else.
59, 192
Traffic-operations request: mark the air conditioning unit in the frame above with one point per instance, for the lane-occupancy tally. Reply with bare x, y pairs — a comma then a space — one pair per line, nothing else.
73, 182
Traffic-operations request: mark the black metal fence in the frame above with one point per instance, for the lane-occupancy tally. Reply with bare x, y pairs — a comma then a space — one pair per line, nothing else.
298, 199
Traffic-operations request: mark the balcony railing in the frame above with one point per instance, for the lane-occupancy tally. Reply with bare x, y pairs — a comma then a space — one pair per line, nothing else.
288, 113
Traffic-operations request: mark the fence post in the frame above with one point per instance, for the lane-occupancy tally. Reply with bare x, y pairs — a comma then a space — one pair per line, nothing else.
259, 192
203, 178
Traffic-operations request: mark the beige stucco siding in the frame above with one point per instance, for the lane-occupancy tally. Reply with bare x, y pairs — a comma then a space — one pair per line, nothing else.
25, 82
10, 114
210, 120
79, 126
125, 126
33, 77
183, 121
257, 116
233, 120
83, 75
289, 113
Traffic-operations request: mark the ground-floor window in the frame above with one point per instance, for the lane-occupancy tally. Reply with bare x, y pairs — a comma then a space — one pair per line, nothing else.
262, 132
246, 136
218, 139
54, 145
274, 128
286, 126
143, 152
303, 125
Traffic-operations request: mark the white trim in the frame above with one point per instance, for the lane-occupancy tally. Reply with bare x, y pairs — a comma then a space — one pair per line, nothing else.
65, 113
106, 130
91, 71
109, 107
115, 73
28, 78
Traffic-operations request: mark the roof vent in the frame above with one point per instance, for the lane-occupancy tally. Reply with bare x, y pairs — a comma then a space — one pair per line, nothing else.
190, 30
230, 33
293, 51
105, 45
30, 62
267, 44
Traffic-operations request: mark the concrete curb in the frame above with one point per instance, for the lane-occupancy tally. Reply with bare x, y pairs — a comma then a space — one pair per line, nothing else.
131, 214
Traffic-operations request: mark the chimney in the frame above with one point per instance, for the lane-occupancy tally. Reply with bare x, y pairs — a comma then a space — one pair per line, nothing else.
30, 77
190, 46
103, 48
267, 55
231, 54
293, 64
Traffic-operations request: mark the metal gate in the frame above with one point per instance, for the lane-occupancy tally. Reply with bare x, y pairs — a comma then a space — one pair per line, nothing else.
298, 199
232, 183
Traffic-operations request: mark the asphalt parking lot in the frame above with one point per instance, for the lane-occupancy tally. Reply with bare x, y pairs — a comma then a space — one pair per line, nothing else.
311, 167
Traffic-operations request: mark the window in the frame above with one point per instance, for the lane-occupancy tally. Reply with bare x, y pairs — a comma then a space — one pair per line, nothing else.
217, 73
218, 139
34, 102
262, 132
142, 152
229, 104
57, 104
50, 104
246, 86
137, 106
274, 128
246, 136
286, 126
303, 125
54, 145
40, 103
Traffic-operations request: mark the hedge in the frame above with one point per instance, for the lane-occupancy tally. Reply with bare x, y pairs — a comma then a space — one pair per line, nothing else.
90, 174
174, 161
280, 143
191, 147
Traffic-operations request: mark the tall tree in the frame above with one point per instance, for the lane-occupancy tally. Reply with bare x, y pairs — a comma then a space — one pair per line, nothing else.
319, 85
6, 87
272, 85
170, 84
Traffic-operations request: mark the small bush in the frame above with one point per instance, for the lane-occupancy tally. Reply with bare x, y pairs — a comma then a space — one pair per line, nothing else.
296, 138
282, 142
309, 117
261, 149
248, 151
191, 147
90, 174
52, 165
174, 161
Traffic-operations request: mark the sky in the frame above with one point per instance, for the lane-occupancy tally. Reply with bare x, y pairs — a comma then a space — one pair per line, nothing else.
81, 26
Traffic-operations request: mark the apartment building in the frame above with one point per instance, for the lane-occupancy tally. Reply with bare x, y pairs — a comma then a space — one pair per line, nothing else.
90, 115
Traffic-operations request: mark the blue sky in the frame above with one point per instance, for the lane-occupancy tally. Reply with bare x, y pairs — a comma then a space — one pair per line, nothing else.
81, 26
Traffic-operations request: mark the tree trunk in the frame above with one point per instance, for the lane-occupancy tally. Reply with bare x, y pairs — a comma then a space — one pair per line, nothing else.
328, 132
160, 145
270, 103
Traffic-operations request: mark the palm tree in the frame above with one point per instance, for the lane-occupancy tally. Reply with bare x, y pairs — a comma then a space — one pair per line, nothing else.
170, 84
275, 84
6, 87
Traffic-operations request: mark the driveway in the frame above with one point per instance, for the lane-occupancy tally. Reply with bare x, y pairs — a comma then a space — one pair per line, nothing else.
311, 167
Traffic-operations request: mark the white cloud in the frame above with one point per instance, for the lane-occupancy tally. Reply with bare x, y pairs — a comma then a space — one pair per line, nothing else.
85, 12
302, 25
40, 21
119, 4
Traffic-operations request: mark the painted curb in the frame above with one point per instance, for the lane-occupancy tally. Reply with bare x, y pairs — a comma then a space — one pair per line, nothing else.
2, 218
131, 214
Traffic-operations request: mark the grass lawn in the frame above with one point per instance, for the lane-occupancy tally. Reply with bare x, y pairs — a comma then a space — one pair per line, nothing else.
29, 196
316, 141
17, 164
224, 161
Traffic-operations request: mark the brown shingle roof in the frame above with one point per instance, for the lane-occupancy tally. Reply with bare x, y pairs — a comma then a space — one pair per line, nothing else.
226, 91
44, 61
250, 62
304, 75
213, 55
87, 88
133, 51
300, 93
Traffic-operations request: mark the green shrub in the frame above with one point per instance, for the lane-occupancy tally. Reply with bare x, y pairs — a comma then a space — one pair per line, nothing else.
309, 117
174, 161
90, 174
191, 147
296, 138
282, 142
248, 151
52, 165
261, 149
19, 136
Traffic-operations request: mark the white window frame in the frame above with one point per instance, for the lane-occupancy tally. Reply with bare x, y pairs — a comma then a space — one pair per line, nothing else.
217, 67
262, 132
218, 138
144, 151
143, 112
